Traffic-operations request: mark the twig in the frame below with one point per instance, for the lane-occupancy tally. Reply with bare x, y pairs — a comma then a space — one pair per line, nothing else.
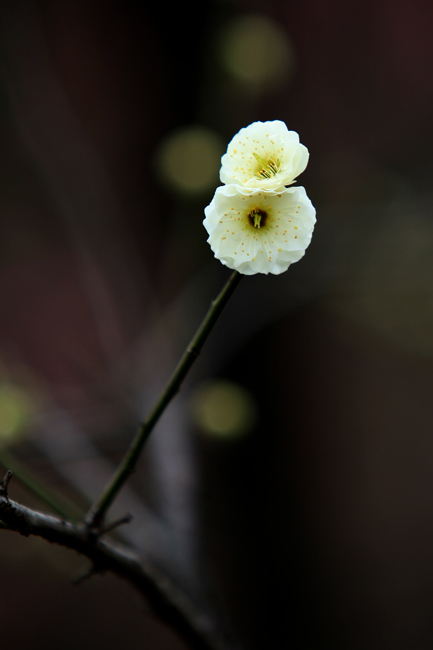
127, 465
86, 575
5, 484
115, 524
165, 599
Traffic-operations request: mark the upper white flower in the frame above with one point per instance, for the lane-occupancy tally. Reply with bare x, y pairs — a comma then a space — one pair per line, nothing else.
259, 231
264, 154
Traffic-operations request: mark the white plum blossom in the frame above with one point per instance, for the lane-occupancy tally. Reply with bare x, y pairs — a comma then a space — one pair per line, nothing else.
265, 155
259, 231
255, 223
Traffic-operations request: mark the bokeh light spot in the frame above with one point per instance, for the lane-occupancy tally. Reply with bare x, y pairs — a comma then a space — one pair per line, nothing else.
223, 409
188, 160
15, 412
257, 51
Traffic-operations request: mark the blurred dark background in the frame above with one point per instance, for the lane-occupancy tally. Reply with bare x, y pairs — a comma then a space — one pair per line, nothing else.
290, 485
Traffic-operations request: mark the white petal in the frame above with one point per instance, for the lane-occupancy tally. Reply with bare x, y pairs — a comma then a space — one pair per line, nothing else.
265, 155
286, 224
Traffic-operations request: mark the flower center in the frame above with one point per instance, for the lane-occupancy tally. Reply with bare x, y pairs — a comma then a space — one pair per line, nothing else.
257, 218
268, 167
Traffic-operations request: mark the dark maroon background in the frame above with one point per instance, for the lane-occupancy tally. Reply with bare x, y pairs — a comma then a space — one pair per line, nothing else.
319, 525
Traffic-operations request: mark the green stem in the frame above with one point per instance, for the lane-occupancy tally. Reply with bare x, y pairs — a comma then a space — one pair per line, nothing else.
96, 514
61, 506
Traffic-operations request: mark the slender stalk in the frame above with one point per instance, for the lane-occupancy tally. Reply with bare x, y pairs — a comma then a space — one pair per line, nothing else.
60, 505
96, 514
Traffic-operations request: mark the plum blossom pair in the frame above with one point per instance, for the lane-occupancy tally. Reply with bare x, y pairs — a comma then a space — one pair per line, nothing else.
255, 223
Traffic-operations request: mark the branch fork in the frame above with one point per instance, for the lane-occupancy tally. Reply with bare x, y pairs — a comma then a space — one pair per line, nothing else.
168, 602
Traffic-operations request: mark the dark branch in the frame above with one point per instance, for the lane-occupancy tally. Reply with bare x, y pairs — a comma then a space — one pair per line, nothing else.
165, 599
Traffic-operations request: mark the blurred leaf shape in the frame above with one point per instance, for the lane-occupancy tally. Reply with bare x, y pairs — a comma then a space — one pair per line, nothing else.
257, 51
223, 409
188, 160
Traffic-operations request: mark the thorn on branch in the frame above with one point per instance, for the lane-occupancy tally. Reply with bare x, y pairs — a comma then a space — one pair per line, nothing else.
86, 575
115, 524
5, 483
95, 532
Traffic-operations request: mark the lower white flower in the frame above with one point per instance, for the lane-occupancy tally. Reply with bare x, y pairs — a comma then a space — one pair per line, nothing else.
255, 231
